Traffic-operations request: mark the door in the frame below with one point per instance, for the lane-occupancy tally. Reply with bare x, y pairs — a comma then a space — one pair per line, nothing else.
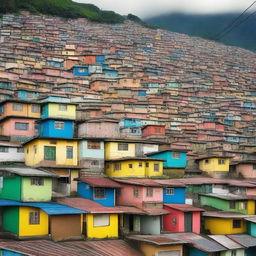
49, 153
188, 222
168, 253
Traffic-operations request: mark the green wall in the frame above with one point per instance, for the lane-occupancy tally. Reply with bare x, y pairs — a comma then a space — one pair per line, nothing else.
33, 193
11, 219
11, 188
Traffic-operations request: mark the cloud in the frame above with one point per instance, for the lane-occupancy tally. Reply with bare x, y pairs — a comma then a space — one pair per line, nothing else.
150, 8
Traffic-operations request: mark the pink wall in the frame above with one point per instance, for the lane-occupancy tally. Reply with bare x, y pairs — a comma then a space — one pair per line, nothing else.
168, 224
246, 170
196, 222
157, 195
109, 130
251, 192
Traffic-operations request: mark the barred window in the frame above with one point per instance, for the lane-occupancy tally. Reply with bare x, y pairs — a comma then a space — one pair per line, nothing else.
34, 218
69, 152
37, 181
99, 193
122, 146
59, 125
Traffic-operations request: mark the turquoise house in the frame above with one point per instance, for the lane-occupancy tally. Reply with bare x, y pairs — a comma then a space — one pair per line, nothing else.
26, 184
251, 226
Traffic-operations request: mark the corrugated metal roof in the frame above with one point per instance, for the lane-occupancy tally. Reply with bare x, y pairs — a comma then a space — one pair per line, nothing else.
100, 182
88, 205
27, 171
158, 240
140, 182
225, 215
155, 211
229, 197
131, 210
135, 158
251, 218
200, 242
170, 182
226, 242
244, 239
184, 207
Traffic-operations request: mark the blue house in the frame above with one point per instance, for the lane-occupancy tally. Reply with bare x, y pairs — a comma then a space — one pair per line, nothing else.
130, 122
56, 64
100, 190
174, 158
56, 128
110, 73
27, 95
81, 71
100, 58
5, 85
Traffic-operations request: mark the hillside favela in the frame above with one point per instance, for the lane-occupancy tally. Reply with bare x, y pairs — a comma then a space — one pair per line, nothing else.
120, 139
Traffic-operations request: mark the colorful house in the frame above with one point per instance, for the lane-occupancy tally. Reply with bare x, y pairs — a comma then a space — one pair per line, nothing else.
81, 71
251, 225
153, 130
246, 169
182, 218
51, 152
215, 166
100, 190
56, 128
99, 222
134, 167
26, 184
229, 203
224, 223
11, 152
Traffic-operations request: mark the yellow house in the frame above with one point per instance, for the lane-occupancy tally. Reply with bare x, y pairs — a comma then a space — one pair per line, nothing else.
224, 223
134, 167
50, 152
116, 150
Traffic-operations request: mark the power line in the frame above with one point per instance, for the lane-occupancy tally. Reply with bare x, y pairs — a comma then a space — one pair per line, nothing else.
219, 35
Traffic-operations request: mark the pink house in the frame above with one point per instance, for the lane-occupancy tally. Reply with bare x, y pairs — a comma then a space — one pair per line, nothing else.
247, 169
182, 218
142, 193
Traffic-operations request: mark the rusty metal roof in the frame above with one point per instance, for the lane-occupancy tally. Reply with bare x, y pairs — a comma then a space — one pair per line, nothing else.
229, 197
225, 215
226, 242
139, 182
155, 211
244, 239
88, 205
184, 207
170, 182
100, 182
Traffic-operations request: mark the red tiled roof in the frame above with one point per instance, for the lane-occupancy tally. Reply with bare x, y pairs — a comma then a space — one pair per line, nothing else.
184, 207
88, 205
100, 182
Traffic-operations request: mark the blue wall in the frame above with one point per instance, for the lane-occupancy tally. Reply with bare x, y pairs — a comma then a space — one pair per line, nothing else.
170, 161
5, 85
81, 71
196, 252
10, 253
131, 122
179, 196
251, 227
100, 59
85, 152
25, 95
86, 191
47, 129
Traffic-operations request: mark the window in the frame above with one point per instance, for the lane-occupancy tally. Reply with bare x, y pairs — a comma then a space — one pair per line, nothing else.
122, 146
206, 161
17, 106
101, 220
93, 145
169, 191
35, 109
135, 192
254, 166
221, 161
133, 130
176, 155
140, 165
69, 152
158, 130
49, 153
130, 165
117, 166
63, 107
20, 150
99, 193
236, 223
35, 149
243, 205
95, 163
232, 205
174, 221
233, 253
59, 125
4, 149
21, 126
37, 181
34, 218
147, 164
149, 192
156, 167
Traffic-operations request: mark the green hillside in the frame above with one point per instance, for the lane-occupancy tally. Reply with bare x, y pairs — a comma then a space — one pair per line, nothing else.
62, 8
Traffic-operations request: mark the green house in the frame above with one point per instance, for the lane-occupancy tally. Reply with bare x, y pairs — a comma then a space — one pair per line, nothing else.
229, 203
25, 184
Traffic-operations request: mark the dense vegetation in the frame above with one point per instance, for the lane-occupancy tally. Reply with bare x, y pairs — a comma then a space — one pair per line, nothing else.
62, 8
207, 26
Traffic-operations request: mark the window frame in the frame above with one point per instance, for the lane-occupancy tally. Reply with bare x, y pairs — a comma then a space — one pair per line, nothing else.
34, 218
93, 145
17, 106
69, 152
123, 147
176, 155
100, 216
59, 125
170, 191
158, 167
135, 192
99, 193
236, 223
63, 107
149, 192
17, 128
37, 181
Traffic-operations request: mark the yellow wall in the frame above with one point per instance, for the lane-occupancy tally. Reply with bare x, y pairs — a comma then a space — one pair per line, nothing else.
25, 229
213, 165
112, 152
219, 226
251, 207
36, 159
102, 232
152, 250
54, 111
136, 170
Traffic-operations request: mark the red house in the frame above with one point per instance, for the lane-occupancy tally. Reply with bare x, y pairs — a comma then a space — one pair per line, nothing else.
153, 130
182, 218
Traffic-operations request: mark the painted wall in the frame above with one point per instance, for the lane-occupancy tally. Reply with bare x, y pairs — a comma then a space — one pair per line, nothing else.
37, 159
12, 155
173, 221
136, 170
11, 188
47, 129
150, 225
149, 249
178, 197
85, 152
196, 252
10, 253
251, 228
213, 165
11, 219
239, 252
86, 191
112, 152
246, 170
153, 130
25, 229
33, 193
52, 110
110, 231
221, 226
80, 71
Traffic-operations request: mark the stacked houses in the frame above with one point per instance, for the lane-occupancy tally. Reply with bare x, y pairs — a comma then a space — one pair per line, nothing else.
122, 140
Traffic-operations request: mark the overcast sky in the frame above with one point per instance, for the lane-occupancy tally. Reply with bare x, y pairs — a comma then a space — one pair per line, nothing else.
150, 8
